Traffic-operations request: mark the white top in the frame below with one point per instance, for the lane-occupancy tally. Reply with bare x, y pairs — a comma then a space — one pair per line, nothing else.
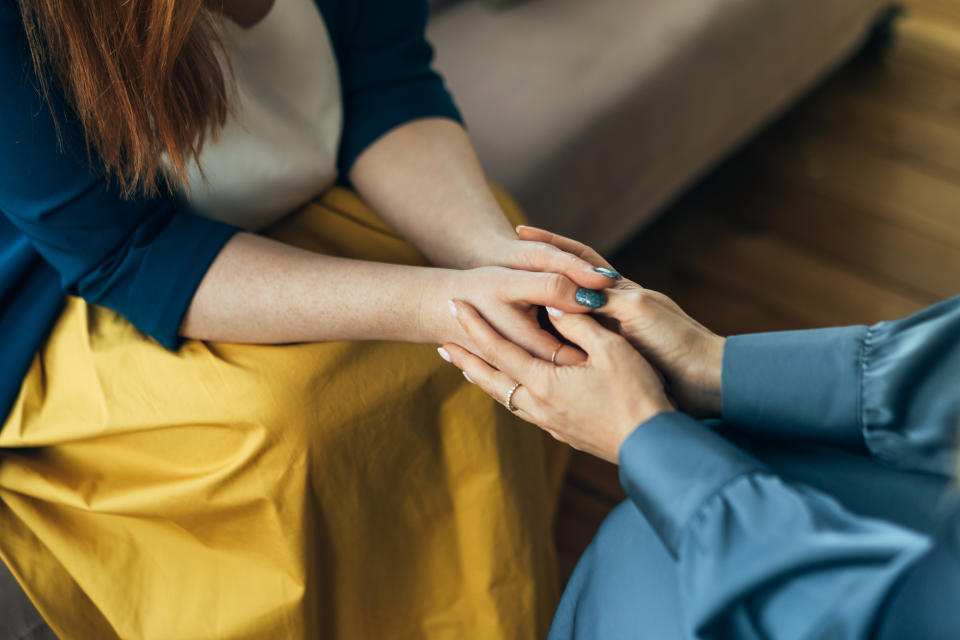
281, 149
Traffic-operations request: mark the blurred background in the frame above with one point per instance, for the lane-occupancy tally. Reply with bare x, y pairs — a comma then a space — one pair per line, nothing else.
770, 164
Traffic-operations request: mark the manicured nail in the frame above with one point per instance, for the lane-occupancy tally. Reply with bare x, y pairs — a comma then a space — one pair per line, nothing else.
443, 354
610, 273
452, 307
590, 298
469, 379
554, 313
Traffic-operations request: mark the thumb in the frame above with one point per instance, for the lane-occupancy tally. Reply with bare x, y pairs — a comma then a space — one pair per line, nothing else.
584, 331
622, 303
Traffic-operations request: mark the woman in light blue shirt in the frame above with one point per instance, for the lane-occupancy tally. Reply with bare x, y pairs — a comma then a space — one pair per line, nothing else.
822, 506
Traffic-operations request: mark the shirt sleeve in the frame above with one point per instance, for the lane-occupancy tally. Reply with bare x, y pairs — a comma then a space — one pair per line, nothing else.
385, 70
758, 558
891, 388
143, 257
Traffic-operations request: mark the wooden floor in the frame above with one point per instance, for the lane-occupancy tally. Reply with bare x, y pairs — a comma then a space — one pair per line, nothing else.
845, 211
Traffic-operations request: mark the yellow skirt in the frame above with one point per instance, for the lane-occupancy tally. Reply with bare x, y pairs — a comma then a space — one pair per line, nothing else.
324, 490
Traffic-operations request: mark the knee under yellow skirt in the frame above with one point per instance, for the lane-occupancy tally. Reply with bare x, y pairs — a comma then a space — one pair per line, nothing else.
326, 490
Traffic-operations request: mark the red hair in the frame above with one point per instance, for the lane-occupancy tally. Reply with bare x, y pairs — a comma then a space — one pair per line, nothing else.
142, 75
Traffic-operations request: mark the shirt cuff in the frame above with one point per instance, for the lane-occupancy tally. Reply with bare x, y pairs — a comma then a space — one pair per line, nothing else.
796, 384
671, 465
176, 262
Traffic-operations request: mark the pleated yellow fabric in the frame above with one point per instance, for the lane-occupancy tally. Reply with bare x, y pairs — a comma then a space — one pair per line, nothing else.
326, 490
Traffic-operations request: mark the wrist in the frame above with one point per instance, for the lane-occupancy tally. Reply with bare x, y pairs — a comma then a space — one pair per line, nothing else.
489, 247
713, 376
436, 325
641, 417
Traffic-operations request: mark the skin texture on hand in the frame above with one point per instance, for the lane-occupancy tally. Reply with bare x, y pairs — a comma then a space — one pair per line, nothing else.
593, 406
509, 300
688, 354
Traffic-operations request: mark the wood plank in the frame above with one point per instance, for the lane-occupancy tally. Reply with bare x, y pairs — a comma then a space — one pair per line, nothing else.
921, 139
595, 476
912, 261
655, 261
900, 82
930, 39
579, 518
803, 284
950, 9
891, 189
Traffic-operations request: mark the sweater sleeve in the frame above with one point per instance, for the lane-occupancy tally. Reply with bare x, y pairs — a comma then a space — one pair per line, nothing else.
759, 559
143, 257
385, 73
891, 388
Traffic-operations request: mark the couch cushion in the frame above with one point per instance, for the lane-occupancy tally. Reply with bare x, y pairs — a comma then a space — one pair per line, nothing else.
595, 114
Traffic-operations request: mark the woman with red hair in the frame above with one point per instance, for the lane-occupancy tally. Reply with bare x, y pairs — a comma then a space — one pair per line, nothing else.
184, 183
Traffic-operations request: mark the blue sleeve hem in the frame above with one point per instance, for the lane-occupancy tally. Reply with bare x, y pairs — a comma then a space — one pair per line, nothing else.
671, 465
796, 384
197, 241
395, 107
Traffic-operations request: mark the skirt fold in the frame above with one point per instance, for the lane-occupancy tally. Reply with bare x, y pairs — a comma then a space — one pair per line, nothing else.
334, 490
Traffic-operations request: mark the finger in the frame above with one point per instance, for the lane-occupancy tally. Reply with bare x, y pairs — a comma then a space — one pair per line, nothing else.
563, 354
587, 333
526, 332
545, 257
558, 291
495, 383
566, 244
568, 356
493, 347
625, 303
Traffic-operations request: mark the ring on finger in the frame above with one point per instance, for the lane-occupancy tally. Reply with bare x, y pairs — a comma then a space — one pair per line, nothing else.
509, 400
556, 352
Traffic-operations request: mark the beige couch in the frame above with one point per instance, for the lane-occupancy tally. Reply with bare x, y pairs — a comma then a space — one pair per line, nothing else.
596, 113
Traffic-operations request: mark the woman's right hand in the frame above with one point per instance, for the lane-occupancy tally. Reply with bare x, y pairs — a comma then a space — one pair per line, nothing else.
688, 354
592, 406
508, 299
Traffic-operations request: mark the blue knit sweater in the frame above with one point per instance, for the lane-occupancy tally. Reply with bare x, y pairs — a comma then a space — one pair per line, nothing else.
65, 230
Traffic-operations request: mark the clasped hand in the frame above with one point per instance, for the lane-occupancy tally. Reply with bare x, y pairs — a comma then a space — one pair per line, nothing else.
597, 394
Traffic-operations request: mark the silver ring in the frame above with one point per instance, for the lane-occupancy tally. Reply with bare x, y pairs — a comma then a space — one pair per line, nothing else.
510, 393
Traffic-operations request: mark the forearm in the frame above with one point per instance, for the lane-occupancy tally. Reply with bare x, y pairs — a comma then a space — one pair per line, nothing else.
424, 178
265, 292
757, 557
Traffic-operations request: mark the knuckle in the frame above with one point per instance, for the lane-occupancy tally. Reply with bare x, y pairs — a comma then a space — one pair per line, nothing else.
610, 343
531, 258
556, 286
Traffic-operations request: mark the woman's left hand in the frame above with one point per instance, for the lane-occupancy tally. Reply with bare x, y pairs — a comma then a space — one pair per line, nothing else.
526, 255
592, 406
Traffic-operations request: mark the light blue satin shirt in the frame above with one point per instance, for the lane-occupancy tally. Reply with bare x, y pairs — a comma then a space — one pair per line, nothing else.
847, 528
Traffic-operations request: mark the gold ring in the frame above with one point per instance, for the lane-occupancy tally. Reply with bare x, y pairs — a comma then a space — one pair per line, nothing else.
556, 352
513, 390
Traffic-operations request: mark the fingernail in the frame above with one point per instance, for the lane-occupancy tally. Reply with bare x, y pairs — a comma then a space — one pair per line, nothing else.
469, 379
443, 354
610, 273
554, 312
590, 298
452, 307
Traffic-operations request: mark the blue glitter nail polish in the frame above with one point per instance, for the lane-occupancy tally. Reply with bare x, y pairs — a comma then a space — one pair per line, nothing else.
610, 273
590, 298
